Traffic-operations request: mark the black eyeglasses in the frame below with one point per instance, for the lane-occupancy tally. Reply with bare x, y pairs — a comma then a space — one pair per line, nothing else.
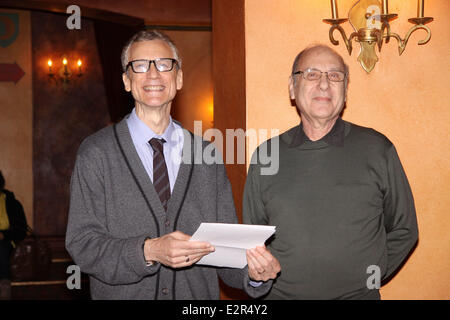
143, 65
314, 75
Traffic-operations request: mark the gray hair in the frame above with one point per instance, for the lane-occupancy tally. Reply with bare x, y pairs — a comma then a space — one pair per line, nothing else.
323, 47
148, 35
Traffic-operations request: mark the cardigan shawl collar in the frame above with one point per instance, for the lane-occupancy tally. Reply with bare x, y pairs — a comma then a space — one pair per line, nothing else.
144, 182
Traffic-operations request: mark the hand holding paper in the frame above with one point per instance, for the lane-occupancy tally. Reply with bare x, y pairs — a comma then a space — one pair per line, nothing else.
231, 242
175, 250
262, 265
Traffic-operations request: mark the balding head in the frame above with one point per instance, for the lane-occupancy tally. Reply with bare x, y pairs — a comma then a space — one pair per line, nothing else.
302, 56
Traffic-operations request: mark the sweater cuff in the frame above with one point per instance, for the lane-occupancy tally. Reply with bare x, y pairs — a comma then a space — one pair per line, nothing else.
256, 292
137, 259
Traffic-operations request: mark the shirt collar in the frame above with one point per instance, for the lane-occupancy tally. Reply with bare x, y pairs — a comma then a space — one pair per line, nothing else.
335, 137
143, 134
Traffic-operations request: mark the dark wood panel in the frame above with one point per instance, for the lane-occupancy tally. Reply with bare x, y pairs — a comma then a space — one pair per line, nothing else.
61, 119
155, 12
229, 92
229, 80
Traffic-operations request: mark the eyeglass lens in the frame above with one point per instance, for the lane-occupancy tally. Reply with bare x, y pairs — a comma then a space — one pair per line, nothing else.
162, 65
313, 74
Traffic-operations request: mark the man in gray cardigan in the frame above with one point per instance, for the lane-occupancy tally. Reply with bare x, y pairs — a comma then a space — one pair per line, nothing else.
134, 204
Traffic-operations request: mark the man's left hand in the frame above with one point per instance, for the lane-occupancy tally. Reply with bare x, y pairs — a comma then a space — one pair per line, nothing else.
262, 265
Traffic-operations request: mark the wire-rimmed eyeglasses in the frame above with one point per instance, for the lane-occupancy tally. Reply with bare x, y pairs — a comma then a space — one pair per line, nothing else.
314, 75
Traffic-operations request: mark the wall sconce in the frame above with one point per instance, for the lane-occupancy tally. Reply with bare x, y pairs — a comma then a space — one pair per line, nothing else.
370, 20
64, 73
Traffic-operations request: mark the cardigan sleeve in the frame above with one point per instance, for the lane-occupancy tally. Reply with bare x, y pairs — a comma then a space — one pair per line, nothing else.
111, 260
399, 213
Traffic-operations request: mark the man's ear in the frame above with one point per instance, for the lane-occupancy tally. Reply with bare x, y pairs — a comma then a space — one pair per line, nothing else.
179, 79
291, 87
345, 90
126, 82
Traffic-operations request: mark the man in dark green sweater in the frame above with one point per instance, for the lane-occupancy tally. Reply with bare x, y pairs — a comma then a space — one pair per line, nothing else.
340, 201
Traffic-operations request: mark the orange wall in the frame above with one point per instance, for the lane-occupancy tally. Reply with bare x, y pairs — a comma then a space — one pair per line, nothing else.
405, 97
194, 102
16, 118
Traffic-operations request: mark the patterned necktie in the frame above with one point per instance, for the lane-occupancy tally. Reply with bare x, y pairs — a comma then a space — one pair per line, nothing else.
160, 175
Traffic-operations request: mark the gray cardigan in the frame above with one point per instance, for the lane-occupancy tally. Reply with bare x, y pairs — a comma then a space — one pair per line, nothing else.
114, 207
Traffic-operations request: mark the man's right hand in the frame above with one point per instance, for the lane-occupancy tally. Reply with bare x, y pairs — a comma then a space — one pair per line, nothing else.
175, 250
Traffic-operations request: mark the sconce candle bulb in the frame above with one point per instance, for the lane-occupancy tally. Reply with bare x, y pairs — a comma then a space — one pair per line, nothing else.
385, 7
66, 73
334, 11
79, 67
420, 8
50, 63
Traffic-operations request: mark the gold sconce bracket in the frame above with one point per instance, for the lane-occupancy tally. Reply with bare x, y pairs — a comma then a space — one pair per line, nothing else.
419, 24
335, 25
371, 22
385, 19
403, 42
423, 20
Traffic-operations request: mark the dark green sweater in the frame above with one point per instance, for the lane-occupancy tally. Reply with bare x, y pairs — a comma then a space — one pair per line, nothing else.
340, 205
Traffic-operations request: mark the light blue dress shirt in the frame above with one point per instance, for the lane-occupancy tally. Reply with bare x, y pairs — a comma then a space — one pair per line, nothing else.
173, 147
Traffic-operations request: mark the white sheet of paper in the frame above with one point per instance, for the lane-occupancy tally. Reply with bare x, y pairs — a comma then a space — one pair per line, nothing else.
230, 242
